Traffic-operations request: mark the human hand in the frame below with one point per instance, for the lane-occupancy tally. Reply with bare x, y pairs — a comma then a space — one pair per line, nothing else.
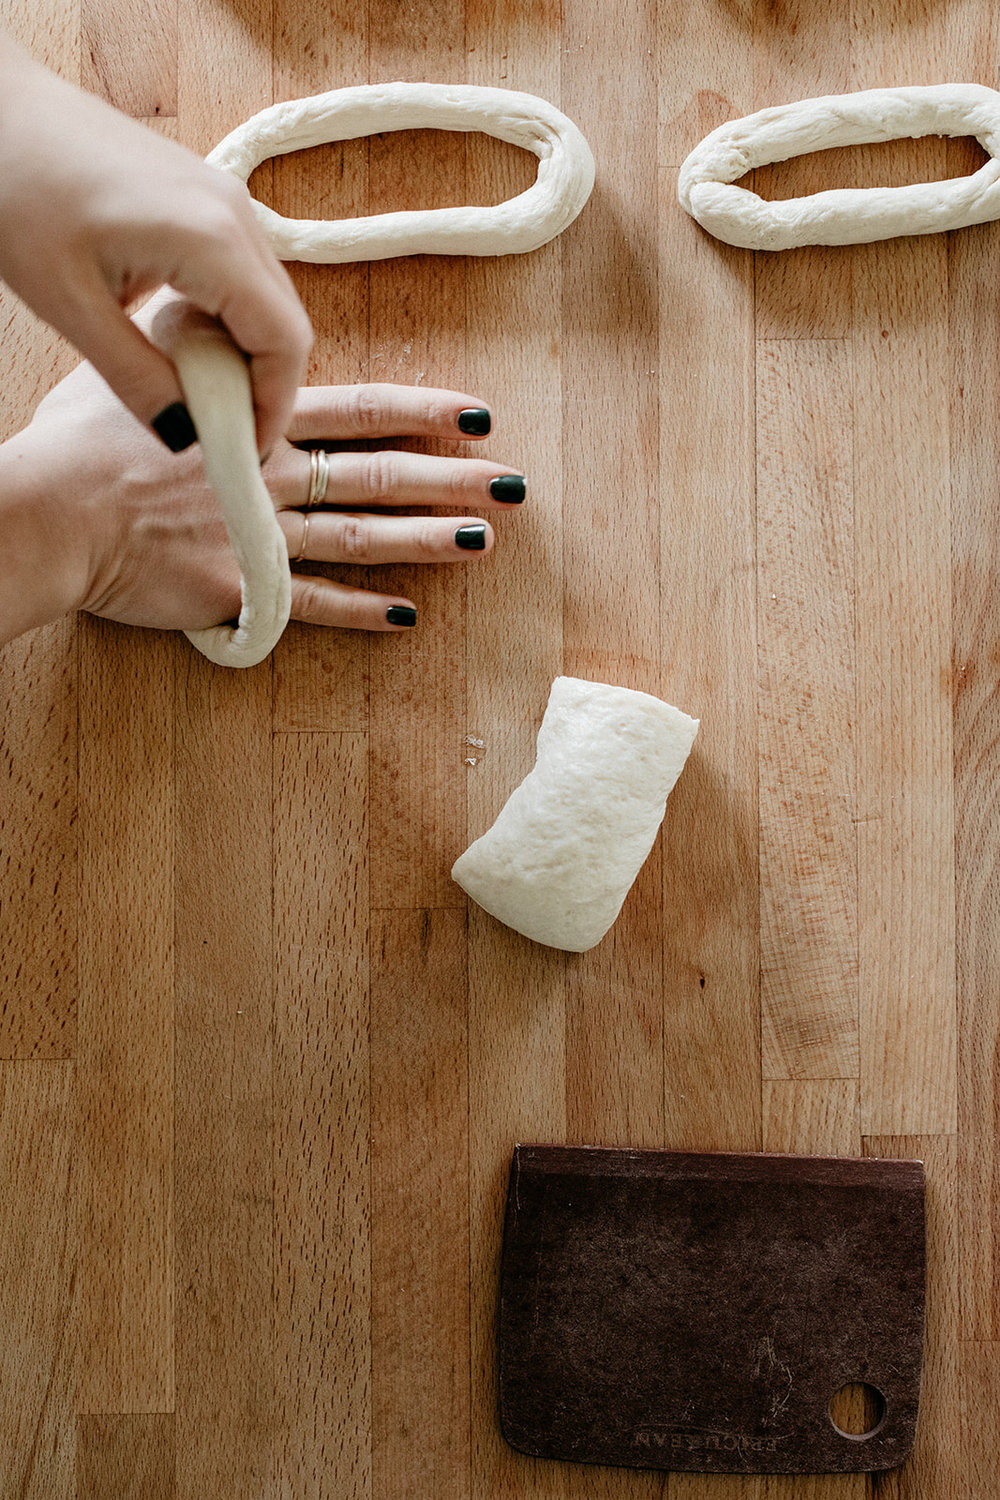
123, 530
96, 210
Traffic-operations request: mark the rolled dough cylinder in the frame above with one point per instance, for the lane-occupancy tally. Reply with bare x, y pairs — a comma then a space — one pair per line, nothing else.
563, 853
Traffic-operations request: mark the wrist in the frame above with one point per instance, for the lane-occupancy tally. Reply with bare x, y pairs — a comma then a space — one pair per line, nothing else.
44, 565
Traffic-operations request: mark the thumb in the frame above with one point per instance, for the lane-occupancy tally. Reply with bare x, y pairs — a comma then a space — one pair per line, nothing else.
139, 374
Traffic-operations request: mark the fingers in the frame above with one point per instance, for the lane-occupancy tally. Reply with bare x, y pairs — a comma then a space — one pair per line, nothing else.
268, 322
320, 601
339, 537
390, 478
140, 374
345, 412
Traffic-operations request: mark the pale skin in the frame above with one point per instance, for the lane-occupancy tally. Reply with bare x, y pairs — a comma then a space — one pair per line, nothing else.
97, 515
95, 512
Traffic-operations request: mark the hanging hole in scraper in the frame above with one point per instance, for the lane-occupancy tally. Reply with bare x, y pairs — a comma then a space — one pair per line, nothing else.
857, 1410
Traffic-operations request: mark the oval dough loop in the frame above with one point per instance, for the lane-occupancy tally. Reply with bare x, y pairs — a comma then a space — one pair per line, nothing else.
566, 847
844, 216
563, 185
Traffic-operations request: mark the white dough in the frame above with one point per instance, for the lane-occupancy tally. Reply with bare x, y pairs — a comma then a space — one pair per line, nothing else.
844, 216
565, 172
216, 385
564, 851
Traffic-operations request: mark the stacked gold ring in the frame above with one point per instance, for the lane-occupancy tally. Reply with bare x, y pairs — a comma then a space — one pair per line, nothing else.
319, 477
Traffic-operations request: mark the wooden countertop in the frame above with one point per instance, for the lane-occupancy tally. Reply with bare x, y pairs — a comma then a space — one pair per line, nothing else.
262, 1070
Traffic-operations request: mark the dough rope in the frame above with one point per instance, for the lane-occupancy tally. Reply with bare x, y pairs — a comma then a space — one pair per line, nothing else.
213, 374
844, 216
216, 385
563, 184
566, 847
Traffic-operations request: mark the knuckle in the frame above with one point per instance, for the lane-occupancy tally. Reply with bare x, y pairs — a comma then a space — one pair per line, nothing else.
439, 416
302, 330
457, 483
219, 221
365, 408
311, 601
427, 539
353, 539
379, 477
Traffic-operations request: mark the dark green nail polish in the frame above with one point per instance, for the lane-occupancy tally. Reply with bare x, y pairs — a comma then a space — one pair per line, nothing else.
508, 487
475, 420
174, 427
472, 538
401, 614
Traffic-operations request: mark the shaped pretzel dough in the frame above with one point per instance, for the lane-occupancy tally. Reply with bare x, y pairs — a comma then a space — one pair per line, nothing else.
844, 216
563, 853
216, 385
563, 185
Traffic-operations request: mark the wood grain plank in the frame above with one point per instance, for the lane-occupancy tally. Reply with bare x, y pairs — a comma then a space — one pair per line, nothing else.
714, 1487
974, 454
420, 1206
906, 829
49, 30
130, 1458
225, 975
321, 1119
711, 884
609, 366
225, 68
808, 861
707, 547
125, 1169
38, 876
611, 619
705, 73
224, 1106
517, 1011
38, 1232
321, 676
811, 1117
129, 54
517, 1092
417, 336
980, 1425
936, 1466
799, 53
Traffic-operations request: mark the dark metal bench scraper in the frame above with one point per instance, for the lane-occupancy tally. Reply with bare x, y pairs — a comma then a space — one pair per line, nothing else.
674, 1310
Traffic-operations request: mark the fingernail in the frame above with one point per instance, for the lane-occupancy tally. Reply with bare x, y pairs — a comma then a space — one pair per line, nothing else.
472, 538
475, 420
508, 487
174, 427
401, 614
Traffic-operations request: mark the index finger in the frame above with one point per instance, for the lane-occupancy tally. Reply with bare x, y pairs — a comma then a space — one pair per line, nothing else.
345, 412
268, 322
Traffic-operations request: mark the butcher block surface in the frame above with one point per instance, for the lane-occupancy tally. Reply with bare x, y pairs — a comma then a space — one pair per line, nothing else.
262, 1069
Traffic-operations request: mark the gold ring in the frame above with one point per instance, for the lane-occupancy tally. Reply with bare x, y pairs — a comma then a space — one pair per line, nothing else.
300, 555
319, 477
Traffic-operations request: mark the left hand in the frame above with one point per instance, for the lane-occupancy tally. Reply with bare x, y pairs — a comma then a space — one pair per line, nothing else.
136, 535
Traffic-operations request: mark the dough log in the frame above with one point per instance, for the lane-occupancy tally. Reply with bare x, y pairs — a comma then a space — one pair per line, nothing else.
216, 385
848, 216
564, 851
